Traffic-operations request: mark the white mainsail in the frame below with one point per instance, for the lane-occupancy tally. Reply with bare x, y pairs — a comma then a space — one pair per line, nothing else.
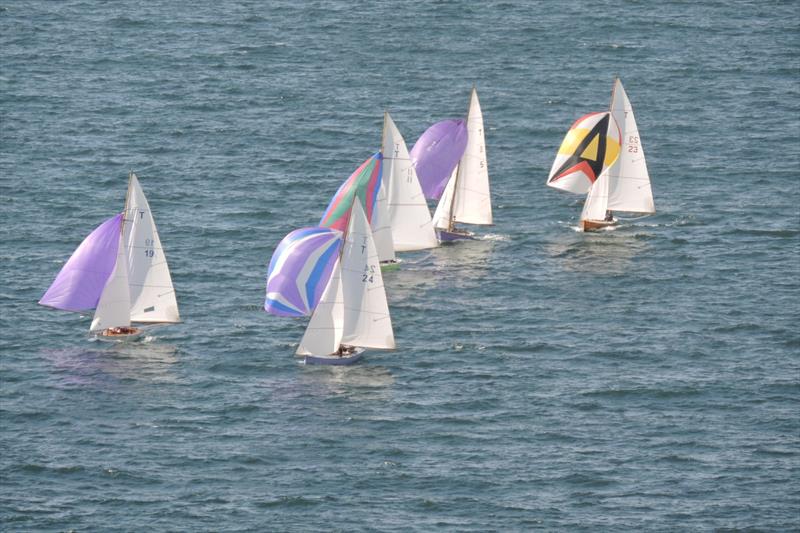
381, 228
324, 332
472, 198
629, 187
113, 308
366, 313
151, 291
409, 217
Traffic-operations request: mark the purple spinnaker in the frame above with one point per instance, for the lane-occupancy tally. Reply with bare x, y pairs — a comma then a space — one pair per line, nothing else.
81, 281
300, 269
436, 153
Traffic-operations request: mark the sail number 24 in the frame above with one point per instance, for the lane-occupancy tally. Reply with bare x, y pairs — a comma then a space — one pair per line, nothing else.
369, 274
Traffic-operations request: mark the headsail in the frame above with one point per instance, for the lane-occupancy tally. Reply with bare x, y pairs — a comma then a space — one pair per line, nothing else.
444, 209
409, 216
381, 226
596, 204
590, 146
151, 291
366, 312
629, 188
113, 309
436, 153
324, 331
300, 269
80, 282
364, 184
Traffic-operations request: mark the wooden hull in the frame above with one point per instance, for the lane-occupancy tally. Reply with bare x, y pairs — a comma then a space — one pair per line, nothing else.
109, 335
454, 235
594, 225
335, 360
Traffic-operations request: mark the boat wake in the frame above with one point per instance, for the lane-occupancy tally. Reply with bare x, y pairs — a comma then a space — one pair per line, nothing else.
578, 229
493, 237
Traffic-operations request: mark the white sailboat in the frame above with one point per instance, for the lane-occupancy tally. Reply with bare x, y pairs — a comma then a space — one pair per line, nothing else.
467, 197
133, 287
608, 146
409, 217
353, 313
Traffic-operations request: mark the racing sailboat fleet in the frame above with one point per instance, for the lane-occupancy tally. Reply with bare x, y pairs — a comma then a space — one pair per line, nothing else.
331, 272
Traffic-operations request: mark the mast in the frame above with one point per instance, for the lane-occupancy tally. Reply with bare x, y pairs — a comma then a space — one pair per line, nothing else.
450, 224
383, 135
611, 117
128, 192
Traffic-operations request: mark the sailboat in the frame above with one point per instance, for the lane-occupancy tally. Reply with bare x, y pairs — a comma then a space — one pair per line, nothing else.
602, 156
121, 272
350, 313
466, 197
409, 217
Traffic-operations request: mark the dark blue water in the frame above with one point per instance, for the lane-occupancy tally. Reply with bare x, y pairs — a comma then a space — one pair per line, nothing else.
642, 379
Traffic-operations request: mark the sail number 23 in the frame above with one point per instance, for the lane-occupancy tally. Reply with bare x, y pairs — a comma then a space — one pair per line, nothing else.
633, 144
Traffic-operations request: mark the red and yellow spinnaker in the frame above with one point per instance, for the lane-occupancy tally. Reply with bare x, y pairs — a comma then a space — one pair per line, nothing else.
591, 145
365, 183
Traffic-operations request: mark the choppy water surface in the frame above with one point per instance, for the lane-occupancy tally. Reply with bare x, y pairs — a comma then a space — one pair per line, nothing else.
639, 379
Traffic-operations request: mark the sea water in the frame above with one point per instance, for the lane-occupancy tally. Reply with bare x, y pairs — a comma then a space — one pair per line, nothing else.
644, 378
